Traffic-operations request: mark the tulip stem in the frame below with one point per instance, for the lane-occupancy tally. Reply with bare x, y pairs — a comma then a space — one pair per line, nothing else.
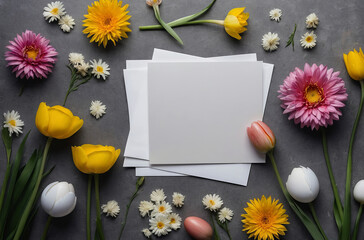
345, 233
179, 24
28, 208
49, 220
310, 226
99, 228
88, 220
355, 233
331, 175
314, 215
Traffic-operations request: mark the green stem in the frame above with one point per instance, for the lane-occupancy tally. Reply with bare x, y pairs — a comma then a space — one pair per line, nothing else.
355, 233
5, 183
33, 196
227, 230
216, 234
88, 213
345, 233
44, 235
314, 215
98, 211
331, 175
65, 99
179, 24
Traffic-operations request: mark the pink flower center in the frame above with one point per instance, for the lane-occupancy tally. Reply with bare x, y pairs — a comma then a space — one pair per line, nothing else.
313, 94
31, 52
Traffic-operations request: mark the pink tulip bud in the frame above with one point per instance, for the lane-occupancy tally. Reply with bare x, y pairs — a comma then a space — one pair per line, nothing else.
261, 136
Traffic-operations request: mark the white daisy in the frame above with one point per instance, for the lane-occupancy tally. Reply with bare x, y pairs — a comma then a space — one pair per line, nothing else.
76, 58
66, 23
161, 208
175, 221
147, 233
270, 41
100, 68
178, 199
225, 214
54, 11
145, 207
157, 196
82, 68
13, 122
97, 109
111, 208
160, 225
275, 14
212, 202
312, 21
308, 40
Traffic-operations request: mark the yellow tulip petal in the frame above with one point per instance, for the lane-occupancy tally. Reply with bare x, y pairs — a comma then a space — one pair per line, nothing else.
100, 161
236, 11
80, 159
116, 155
42, 119
59, 123
232, 26
76, 124
64, 110
356, 62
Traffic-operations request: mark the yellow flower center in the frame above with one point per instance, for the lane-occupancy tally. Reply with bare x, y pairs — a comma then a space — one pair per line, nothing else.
212, 202
99, 69
32, 52
162, 209
107, 21
173, 220
160, 225
265, 220
12, 123
309, 39
54, 11
313, 94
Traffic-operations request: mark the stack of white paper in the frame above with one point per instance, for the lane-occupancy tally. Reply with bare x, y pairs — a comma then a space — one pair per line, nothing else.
188, 115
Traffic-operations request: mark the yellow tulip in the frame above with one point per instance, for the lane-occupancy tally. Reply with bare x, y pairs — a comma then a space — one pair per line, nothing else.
57, 121
354, 62
96, 159
235, 22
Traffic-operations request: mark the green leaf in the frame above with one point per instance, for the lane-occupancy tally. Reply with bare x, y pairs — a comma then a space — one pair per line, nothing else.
7, 140
291, 37
48, 172
13, 177
337, 218
165, 26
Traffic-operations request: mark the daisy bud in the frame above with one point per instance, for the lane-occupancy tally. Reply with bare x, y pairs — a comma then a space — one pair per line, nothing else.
153, 2
261, 136
359, 192
58, 199
303, 185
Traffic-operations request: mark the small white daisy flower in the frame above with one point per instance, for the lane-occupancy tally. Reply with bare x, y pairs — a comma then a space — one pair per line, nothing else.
157, 196
225, 214
66, 23
178, 199
312, 21
212, 202
270, 41
76, 58
13, 122
111, 208
100, 68
53, 11
160, 225
82, 68
175, 221
97, 109
308, 40
161, 208
147, 233
275, 14
145, 207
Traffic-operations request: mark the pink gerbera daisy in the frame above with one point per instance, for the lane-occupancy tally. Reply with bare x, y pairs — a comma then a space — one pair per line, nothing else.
313, 97
30, 55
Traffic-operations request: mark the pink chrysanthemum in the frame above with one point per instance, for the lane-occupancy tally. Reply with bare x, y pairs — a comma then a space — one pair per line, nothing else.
313, 97
30, 55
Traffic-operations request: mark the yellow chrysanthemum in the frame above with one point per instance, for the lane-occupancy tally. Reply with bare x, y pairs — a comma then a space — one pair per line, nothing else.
106, 20
264, 219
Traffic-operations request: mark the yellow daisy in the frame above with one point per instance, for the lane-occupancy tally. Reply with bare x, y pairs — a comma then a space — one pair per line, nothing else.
106, 20
264, 219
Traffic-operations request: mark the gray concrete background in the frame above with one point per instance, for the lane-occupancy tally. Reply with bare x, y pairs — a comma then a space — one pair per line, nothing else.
340, 30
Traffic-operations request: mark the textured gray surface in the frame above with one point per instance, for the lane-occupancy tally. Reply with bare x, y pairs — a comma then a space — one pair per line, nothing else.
339, 31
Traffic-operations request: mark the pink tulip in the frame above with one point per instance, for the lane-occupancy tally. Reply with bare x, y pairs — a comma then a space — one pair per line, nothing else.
261, 136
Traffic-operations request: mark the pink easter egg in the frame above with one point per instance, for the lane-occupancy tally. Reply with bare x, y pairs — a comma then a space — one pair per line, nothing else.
198, 228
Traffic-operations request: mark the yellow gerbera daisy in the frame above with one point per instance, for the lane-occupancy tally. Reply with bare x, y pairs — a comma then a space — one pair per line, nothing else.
106, 20
264, 219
